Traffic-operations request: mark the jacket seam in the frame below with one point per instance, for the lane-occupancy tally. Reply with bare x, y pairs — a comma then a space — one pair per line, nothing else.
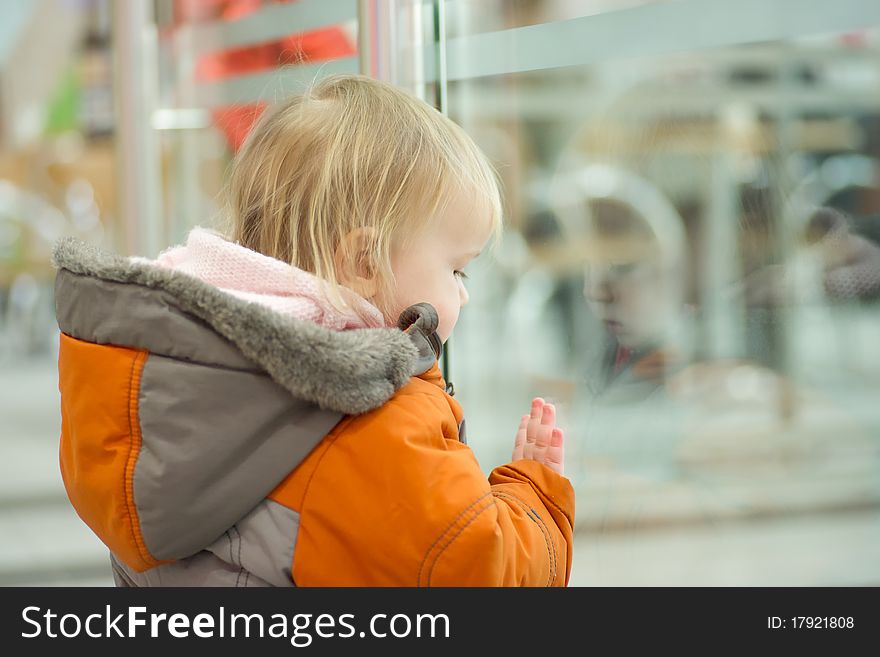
331, 438
237, 560
533, 515
242, 569
457, 534
551, 547
131, 459
545, 532
549, 499
445, 531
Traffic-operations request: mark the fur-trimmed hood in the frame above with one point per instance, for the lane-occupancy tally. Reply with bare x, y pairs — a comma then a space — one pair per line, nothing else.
108, 299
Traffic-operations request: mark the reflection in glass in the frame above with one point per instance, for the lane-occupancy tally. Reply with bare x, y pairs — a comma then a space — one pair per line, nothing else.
691, 271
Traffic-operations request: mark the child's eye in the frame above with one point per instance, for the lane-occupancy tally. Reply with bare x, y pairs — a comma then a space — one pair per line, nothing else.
624, 268
460, 274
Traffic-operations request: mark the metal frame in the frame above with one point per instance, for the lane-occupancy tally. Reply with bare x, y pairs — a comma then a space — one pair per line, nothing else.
651, 30
136, 84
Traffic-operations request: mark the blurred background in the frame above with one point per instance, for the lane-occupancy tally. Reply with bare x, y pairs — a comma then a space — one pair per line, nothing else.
690, 266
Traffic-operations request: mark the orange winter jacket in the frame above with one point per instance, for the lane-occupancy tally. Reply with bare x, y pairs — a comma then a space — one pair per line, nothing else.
209, 441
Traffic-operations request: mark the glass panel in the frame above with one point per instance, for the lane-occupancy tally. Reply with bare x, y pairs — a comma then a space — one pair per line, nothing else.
691, 272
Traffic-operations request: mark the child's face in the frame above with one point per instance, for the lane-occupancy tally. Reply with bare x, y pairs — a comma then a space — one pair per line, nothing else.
632, 299
430, 267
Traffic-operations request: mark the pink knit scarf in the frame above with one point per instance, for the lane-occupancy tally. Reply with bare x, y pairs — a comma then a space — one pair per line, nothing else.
269, 282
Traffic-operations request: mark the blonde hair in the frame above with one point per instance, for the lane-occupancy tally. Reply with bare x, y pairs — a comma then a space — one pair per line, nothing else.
352, 152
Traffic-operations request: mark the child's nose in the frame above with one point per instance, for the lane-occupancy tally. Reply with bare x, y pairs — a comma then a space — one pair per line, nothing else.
598, 289
463, 295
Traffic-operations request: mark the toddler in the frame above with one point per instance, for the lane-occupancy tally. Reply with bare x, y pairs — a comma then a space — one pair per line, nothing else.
268, 410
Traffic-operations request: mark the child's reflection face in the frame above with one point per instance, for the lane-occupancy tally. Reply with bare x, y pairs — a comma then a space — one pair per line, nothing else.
631, 298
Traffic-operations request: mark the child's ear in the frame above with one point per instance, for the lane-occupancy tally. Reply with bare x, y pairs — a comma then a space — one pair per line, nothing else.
353, 262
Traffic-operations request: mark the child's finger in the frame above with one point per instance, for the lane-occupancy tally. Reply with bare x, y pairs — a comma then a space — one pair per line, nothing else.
520, 441
534, 420
545, 428
555, 456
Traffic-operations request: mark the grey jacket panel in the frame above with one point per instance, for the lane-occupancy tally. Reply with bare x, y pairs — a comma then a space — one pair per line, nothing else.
347, 371
256, 551
202, 569
214, 442
262, 543
136, 316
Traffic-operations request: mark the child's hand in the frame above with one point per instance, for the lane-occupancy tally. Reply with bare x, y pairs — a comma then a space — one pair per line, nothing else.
539, 439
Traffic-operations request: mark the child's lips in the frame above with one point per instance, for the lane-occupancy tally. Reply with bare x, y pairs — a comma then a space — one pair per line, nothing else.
613, 326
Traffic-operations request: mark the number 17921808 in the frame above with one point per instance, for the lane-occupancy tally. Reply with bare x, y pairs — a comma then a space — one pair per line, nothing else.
810, 622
